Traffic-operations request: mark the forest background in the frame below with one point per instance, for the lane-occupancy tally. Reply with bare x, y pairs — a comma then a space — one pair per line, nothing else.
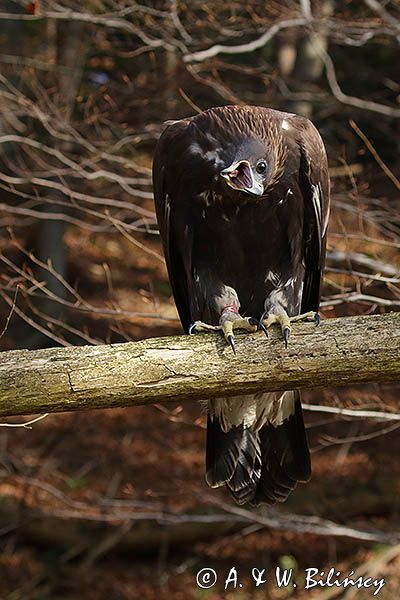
113, 503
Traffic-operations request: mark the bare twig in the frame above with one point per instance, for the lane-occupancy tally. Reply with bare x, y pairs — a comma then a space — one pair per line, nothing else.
26, 425
249, 46
376, 156
348, 412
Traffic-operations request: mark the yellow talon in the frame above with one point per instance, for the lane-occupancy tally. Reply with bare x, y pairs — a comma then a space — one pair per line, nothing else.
283, 319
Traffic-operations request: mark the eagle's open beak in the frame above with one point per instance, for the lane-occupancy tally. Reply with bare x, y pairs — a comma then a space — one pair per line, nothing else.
239, 176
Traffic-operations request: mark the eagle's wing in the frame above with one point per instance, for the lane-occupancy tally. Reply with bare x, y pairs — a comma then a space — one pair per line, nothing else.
175, 233
314, 182
173, 162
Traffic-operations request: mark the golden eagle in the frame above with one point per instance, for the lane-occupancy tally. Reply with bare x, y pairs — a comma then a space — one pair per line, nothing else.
242, 201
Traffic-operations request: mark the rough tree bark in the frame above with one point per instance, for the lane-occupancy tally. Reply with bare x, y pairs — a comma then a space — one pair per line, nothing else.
338, 352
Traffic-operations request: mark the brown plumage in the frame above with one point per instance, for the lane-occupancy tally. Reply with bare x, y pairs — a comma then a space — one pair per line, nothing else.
242, 200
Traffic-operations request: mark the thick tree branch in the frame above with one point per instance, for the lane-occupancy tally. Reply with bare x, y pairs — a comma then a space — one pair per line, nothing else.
338, 352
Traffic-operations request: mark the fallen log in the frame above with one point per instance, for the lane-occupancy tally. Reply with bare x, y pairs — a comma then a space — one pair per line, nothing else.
339, 352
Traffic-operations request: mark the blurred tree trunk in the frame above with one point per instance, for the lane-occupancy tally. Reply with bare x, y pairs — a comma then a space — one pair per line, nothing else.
300, 58
10, 43
170, 76
66, 49
65, 45
171, 64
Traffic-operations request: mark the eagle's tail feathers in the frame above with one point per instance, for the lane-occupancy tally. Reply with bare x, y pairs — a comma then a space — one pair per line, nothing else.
285, 457
233, 458
261, 466
243, 484
222, 452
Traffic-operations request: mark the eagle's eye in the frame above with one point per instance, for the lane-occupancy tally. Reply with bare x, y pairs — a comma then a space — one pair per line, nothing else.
261, 167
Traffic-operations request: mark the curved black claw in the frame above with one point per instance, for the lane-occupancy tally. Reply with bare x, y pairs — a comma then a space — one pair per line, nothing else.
259, 324
262, 326
232, 343
286, 335
191, 329
317, 319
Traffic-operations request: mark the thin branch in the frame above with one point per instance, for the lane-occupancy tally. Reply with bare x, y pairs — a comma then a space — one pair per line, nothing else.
376, 156
11, 312
336, 90
273, 519
26, 425
93, 19
347, 298
33, 323
249, 46
379, 8
348, 412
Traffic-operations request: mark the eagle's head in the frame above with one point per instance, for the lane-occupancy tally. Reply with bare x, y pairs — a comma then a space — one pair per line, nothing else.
239, 148
251, 169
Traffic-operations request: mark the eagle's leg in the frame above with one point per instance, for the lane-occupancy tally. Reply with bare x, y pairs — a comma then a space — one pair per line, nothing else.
231, 320
228, 322
200, 327
311, 315
225, 304
280, 316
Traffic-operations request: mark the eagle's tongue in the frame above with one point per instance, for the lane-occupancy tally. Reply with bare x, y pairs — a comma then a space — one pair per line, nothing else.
241, 177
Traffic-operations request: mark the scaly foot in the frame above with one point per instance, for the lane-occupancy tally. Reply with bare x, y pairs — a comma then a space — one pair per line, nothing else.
228, 322
283, 319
